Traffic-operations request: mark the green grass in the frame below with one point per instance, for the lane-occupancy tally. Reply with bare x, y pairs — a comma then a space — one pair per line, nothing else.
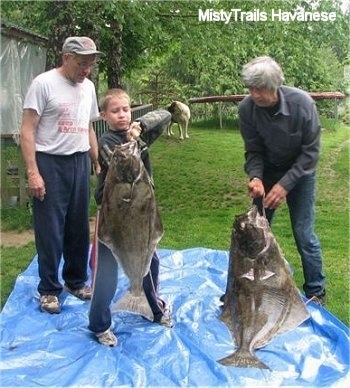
15, 218
201, 186
13, 262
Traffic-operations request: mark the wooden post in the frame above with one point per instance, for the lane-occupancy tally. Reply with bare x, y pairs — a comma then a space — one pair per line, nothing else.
22, 184
3, 174
12, 185
220, 114
336, 109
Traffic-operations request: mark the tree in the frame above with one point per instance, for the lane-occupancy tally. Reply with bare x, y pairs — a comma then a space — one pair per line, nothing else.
194, 57
121, 29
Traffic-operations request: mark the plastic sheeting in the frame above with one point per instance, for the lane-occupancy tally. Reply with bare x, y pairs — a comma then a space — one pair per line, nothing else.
39, 349
21, 61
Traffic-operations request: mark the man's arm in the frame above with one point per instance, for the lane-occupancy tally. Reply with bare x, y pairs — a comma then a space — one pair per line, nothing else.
36, 183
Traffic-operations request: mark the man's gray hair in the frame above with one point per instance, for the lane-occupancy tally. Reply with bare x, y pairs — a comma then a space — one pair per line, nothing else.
262, 73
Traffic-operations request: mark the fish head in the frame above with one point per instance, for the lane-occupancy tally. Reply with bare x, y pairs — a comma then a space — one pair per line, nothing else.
126, 164
251, 232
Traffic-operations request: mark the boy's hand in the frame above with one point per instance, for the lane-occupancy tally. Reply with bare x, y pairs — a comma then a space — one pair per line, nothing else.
135, 130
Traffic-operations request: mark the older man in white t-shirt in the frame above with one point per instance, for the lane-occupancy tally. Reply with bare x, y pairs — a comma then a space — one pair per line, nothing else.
57, 137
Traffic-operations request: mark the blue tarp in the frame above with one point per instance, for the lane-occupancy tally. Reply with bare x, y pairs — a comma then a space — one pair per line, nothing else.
39, 349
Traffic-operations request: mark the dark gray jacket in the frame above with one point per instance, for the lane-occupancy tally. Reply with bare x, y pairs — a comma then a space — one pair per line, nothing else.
152, 124
288, 142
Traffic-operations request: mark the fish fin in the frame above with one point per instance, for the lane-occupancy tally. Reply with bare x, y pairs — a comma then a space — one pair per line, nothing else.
296, 316
243, 359
136, 304
225, 313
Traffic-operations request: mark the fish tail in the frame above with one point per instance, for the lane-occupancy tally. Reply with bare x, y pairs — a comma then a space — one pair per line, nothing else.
243, 358
136, 304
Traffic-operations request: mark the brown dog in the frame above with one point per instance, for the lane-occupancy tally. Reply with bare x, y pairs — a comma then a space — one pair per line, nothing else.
180, 114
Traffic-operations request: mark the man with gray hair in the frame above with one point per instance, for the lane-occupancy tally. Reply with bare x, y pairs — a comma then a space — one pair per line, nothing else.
281, 132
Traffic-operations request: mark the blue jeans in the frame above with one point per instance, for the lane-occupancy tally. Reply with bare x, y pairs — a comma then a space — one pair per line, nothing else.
105, 285
301, 205
61, 221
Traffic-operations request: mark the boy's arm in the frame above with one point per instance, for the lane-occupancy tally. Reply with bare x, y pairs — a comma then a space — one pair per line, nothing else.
153, 124
93, 152
106, 154
104, 161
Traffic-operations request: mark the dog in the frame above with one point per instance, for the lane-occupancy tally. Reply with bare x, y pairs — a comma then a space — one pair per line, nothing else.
180, 114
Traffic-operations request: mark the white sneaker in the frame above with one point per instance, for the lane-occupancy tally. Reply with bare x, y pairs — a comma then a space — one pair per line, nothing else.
50, 304
107, 338
83, 293
165, 320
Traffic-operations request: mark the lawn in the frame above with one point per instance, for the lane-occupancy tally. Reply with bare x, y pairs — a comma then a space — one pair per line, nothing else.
201, 186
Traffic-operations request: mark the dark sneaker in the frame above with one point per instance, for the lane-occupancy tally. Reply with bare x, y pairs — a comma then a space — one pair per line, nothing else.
50, 304
107, 338
318, 299
83, 293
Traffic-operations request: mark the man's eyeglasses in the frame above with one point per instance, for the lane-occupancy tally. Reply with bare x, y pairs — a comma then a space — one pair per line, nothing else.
84, 65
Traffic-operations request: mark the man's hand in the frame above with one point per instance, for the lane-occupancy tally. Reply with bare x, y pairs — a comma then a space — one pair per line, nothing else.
256, 188
275, 197
36, 185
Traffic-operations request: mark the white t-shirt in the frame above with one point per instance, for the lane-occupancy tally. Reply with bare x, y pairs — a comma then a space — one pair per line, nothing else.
65, 111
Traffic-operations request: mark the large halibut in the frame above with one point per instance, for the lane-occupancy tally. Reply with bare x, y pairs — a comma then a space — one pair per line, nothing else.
261, 299
130, 224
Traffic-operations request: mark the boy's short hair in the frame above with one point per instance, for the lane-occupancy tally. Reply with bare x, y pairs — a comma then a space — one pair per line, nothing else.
116, 92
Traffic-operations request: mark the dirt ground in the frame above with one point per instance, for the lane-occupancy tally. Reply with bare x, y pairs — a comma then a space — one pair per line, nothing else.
14, 238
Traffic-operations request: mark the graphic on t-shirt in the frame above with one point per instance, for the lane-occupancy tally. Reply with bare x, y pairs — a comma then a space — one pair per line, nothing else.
69, 118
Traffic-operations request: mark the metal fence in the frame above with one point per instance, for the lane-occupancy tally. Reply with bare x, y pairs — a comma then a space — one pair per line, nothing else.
100, 126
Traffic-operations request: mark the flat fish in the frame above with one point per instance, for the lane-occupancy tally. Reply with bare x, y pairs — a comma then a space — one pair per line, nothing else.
261, 299
129, 223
